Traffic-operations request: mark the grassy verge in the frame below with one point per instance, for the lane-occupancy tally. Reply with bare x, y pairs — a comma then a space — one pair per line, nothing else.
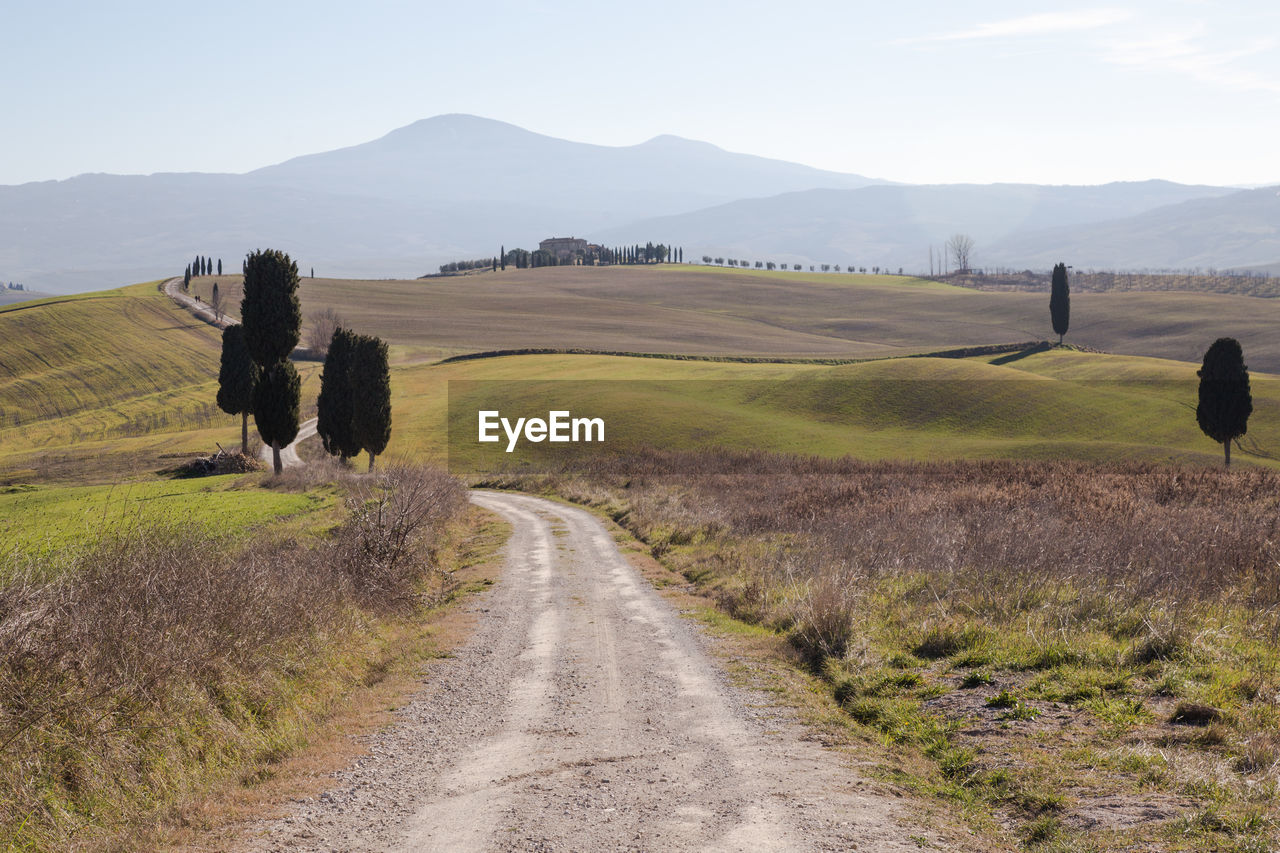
138, 672
1069, 656
46, 519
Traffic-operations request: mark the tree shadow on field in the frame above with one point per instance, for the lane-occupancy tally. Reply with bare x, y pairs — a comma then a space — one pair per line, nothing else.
1043, 346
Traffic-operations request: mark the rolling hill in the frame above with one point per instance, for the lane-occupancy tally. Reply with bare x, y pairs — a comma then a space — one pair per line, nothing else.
709, 311
109, 384
122, 383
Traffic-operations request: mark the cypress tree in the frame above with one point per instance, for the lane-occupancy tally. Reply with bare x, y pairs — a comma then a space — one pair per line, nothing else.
270, 310
237, 377
335, 406
1060, 301
219, 266
276, 402
371, 377
503, 251
1225, 402
272, 318
186, 279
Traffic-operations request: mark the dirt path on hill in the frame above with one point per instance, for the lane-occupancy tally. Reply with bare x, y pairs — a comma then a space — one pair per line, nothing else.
173, 289
585, 714
289, 454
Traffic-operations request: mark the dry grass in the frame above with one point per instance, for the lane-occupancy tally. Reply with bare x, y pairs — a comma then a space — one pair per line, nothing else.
1124, 282
162, 657
708, 311
1009, 634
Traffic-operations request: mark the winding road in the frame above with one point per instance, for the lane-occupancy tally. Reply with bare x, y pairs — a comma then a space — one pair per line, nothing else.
584, 713
288, 455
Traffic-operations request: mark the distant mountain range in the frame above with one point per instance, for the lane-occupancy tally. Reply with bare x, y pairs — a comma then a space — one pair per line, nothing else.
459, 186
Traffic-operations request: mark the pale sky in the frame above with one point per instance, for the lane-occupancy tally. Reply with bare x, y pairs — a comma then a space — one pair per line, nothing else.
910, 91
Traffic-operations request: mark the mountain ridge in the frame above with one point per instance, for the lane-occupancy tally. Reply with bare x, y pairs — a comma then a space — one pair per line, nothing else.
458, 186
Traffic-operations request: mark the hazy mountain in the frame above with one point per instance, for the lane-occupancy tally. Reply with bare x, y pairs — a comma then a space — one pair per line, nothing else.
458, 186
892, 226
454, 158
1240, 230
438, 190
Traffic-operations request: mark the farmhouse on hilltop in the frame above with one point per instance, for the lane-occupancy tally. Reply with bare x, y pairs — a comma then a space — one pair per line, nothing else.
566, 250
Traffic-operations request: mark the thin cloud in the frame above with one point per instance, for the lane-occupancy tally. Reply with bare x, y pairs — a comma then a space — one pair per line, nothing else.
1047, 23
1183, 53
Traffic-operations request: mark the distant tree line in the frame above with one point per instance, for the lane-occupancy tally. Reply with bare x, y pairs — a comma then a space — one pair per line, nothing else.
772, 265
200, 266
592, 255
15, 286
649, 253
463, 266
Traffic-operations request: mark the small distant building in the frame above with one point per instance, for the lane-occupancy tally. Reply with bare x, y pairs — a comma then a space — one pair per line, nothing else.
566, 250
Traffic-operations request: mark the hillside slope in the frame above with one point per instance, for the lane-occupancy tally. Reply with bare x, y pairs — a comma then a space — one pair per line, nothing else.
109, 384
716, 311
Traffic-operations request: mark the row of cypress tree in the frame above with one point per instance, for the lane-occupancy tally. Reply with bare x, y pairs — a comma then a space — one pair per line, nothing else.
257, 376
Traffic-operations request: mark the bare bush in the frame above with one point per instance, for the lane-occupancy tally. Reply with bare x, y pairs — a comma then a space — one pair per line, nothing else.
320, 328
385, 546
102, 649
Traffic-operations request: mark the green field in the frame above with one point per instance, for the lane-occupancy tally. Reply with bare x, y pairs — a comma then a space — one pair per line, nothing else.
122, 383
37, 519
1047, 405
714, 311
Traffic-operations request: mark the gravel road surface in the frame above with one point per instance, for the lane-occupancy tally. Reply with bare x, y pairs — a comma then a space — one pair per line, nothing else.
585, 714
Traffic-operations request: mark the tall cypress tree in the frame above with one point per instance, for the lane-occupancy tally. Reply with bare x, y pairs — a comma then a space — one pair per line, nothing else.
503, 251
1225, 401
219, 266
336, 404
371, 376
269, 309
1060, 301
272, 318
237, 377
276, 403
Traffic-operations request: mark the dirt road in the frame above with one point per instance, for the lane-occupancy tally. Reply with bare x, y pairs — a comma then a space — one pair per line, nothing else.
585, 714
173, 289
289, 454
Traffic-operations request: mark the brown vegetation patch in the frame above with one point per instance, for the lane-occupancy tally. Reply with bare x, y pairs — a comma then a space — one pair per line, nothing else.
1014, 636
161, 656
